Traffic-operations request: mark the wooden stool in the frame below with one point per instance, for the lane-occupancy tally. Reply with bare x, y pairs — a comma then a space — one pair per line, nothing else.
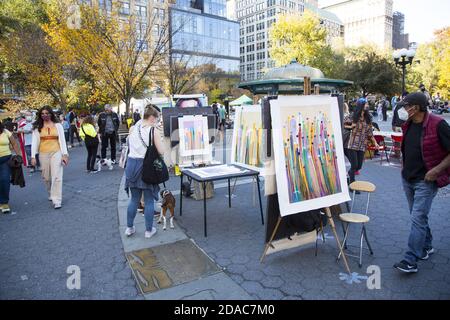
358, 218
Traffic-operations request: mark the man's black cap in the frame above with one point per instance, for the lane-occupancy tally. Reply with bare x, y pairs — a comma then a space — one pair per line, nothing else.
416, 99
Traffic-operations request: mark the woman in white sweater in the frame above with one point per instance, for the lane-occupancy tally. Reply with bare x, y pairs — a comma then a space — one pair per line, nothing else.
139, 140
50, 143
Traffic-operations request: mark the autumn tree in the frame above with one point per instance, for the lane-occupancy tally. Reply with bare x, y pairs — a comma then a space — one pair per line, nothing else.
33, 100
181, 73
431, 65
25, 51
371, 71
302, 37
118, 49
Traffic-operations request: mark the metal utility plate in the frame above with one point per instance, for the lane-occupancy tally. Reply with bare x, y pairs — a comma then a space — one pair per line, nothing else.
169, 265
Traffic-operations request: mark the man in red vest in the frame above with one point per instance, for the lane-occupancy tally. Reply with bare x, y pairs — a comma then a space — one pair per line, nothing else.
426, 167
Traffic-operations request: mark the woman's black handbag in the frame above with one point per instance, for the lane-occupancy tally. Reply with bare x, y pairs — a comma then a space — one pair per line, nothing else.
90, 141
346, 136
154, 170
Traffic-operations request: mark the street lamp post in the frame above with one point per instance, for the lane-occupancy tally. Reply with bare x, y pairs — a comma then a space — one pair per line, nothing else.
402, 58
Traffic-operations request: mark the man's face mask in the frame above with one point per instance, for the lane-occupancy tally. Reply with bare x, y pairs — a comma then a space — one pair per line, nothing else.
405, 115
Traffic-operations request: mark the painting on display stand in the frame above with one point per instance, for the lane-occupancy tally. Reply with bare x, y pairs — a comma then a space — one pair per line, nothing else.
194, 136
247, 144
309, 155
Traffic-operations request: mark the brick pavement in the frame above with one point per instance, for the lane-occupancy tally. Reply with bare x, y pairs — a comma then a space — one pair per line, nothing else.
236, 241
38, 243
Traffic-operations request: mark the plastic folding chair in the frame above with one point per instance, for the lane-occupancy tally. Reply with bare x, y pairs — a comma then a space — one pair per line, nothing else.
396, 144
383, 149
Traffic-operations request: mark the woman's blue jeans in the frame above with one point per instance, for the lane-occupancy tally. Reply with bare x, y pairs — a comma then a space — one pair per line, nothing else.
133, 206
5, 179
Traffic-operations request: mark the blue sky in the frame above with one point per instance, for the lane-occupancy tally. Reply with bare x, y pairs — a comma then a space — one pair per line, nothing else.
422, 17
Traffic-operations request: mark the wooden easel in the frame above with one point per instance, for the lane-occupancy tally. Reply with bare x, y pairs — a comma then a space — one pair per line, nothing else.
307, 91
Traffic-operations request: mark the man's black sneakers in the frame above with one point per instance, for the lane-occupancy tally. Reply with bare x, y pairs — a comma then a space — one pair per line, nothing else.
405, 266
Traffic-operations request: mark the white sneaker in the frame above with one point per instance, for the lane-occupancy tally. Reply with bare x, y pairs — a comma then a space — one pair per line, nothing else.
57, 205
149, 234
130, 231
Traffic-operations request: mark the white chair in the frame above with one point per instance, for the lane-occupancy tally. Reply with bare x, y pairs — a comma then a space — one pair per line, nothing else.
358, 218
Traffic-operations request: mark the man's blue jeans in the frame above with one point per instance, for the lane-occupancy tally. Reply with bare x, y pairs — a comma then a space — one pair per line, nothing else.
148, 209
420, 197
5, 179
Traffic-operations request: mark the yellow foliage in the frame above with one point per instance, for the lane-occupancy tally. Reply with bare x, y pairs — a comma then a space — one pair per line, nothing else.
300, 37
434, 67
107, 45
34, 100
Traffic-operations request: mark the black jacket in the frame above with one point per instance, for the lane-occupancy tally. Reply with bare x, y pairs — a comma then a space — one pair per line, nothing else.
102, 122
136, 117
17, 177
72, 118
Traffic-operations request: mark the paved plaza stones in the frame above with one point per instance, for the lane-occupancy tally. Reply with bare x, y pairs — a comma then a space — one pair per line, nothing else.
39, 243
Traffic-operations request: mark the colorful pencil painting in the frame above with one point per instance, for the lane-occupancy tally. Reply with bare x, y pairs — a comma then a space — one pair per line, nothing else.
247, 143
194, 137
309, 156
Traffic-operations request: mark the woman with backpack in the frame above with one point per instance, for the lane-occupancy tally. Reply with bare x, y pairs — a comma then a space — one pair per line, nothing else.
91, 140
142, 139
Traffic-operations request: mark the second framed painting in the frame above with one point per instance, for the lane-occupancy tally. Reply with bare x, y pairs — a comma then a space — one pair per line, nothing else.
309, 154
247, 145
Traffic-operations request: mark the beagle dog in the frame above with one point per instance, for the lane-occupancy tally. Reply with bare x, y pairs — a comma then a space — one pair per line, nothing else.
168, 203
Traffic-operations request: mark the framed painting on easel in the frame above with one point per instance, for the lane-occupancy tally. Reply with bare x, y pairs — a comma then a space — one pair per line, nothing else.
194, 136
309, 155
247, 144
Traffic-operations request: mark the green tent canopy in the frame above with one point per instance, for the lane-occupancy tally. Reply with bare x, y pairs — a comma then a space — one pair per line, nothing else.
241, 100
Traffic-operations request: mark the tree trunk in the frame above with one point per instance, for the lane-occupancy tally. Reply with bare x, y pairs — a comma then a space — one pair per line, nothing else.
62, 102
127, 105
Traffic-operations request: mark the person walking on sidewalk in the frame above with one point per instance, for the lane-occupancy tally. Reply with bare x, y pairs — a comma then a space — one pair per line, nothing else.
91, 140
139, 140
73, 129
426, 167
384, 108
136, 116
427, 94
222, 117
6, 140
66, 126
361, 131
380, 110
108, 125
49, 141
27, 131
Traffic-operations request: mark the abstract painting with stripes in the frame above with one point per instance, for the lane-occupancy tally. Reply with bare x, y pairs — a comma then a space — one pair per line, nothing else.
247, 143
309, 156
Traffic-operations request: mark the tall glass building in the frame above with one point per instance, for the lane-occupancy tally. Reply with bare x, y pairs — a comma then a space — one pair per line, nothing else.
202, 34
